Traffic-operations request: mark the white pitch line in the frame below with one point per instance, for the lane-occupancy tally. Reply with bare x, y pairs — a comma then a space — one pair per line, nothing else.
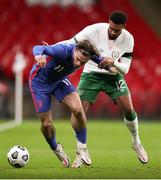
8, 125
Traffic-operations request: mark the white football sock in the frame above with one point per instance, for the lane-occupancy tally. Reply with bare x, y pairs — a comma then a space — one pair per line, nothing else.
133, 128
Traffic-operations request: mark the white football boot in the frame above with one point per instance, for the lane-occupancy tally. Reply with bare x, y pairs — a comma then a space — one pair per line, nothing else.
82, 156
62, 155
140, 152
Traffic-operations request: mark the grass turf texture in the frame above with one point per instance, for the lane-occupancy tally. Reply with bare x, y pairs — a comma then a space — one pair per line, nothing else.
109, 145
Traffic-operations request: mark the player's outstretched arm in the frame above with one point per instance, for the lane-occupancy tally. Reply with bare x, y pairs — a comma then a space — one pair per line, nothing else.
97, 59
40, 53
116, 66
107, 62
45, 50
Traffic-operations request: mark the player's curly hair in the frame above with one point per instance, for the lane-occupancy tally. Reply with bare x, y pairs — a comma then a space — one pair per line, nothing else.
118, 17
87, 48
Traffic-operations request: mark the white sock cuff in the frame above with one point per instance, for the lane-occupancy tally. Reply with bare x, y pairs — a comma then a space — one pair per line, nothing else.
131, 122
132, 125
81, 145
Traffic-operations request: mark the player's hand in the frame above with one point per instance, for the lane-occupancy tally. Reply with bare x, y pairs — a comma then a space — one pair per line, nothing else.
45, 43
106, 63
113, 69
41, 60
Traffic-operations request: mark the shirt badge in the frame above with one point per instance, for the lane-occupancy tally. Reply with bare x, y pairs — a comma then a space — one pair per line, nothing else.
115, 54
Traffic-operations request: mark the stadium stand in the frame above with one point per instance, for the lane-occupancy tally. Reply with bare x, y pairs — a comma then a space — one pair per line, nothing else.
26, 25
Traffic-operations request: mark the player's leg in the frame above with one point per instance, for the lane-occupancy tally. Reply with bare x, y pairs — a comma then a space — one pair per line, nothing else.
88, 89
130, 116
48, 130
42, 101
73, 102
67, 94
86, 106
117, 89
71, 99
131, 120
87, 98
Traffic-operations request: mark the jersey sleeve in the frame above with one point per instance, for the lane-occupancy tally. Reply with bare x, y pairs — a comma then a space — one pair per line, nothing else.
125, 61
68, 41
130, 46
123, 66
56, 51
97, 59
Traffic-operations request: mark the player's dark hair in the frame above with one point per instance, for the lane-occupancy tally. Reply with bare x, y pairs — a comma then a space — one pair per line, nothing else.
118, 17
87, 48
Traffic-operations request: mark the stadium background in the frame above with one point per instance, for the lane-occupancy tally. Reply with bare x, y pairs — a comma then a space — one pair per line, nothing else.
26, 23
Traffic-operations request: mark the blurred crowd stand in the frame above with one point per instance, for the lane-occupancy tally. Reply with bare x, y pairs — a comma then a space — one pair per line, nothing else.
25, 23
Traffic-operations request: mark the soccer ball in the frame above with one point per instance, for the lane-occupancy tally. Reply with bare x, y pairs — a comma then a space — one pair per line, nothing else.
18, 156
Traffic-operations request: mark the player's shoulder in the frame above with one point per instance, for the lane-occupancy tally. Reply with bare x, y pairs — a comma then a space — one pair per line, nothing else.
63, 50
127, 40
64, 45
99, 25
127, 34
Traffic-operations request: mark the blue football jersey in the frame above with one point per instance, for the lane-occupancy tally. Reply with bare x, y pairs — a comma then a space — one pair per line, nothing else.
60, 63
51, 79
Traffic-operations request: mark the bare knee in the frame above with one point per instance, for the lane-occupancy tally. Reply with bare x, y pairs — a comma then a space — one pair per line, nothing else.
78, 119
85, 105
46, 124
78, 112
45, 118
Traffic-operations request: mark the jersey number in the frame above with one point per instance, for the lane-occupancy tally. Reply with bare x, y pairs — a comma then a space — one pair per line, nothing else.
120, 85
59, 68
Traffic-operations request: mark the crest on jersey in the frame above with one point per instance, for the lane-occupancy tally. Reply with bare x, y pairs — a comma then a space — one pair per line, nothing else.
115, 54
80, 92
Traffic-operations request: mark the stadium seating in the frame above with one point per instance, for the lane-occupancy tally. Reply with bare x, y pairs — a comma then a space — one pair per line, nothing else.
28, 25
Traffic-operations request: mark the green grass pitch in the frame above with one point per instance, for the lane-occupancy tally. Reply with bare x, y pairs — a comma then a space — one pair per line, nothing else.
109, 144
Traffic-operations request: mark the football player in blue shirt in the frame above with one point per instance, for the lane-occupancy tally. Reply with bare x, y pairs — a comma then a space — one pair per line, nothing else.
48, 77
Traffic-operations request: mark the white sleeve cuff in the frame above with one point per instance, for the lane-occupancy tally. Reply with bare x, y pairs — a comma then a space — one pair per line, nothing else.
122, 67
